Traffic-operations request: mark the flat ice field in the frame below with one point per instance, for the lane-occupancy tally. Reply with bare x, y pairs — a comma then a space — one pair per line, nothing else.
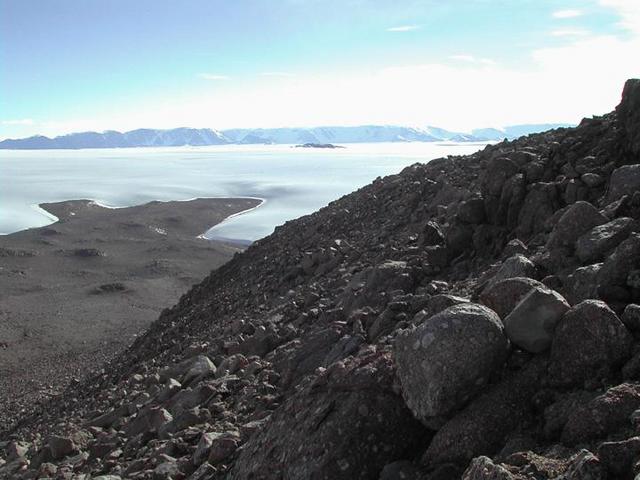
293, 181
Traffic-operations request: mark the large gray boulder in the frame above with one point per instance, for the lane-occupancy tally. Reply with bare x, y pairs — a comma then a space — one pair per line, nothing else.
589, 342
593, 245
532, 322
624, 181
578, 219
503, 296
447, 360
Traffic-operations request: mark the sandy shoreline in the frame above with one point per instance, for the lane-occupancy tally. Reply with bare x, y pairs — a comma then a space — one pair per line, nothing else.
77, 291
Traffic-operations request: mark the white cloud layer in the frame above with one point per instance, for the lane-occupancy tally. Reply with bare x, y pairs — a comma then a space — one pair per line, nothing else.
569, 13
472, 59
403, 28
582, 77
276, 74
569, 32
18, 122
212, 76
629, 11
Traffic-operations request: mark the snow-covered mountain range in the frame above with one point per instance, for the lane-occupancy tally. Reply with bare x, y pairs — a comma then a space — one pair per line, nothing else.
204, 136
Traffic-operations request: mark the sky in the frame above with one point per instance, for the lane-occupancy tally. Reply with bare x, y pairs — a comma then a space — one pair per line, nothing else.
80, 65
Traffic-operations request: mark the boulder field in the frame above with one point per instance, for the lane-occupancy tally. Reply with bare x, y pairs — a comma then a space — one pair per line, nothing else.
471, 318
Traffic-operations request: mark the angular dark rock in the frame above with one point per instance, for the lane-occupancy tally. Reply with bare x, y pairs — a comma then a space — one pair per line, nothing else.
624, 181
483, 468
584, 466
577, 220
503, 296
540, 203
515, 266
582, 284
629, 114
602, 416
617, 267
532, 322
593, 245
619, 457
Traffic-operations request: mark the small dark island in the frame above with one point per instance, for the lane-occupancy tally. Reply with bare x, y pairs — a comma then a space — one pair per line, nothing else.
319, 145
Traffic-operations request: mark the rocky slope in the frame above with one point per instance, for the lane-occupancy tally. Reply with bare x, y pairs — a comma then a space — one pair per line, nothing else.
476, 317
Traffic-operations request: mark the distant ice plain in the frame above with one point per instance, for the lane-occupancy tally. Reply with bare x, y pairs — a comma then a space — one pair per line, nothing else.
293, 181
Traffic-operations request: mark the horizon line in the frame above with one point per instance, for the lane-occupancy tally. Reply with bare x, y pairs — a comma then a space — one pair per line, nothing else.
102, 132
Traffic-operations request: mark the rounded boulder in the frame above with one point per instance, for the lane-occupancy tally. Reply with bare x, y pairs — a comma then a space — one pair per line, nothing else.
590, 341
447, 360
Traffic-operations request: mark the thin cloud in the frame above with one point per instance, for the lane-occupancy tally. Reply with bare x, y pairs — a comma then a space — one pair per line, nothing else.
23, 121
212, 76
403, 28
569, 13
472, 59
277, 74
629, 12
569, 32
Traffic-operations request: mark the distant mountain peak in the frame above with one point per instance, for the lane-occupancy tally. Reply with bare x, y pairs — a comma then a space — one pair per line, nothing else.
183, 136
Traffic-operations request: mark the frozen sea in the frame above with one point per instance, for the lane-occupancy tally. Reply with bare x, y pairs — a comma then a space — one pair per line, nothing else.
293, 181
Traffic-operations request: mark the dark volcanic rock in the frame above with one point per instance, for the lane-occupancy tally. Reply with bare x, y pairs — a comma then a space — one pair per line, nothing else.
616, 269
483, 468
619, 457
515, 266
578, 219
605, 414
483, 426
584, 466
590, 341
624, 181
532, 322
582, 284
503, 296
318, 432
447, 360
593, 245
629, 114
